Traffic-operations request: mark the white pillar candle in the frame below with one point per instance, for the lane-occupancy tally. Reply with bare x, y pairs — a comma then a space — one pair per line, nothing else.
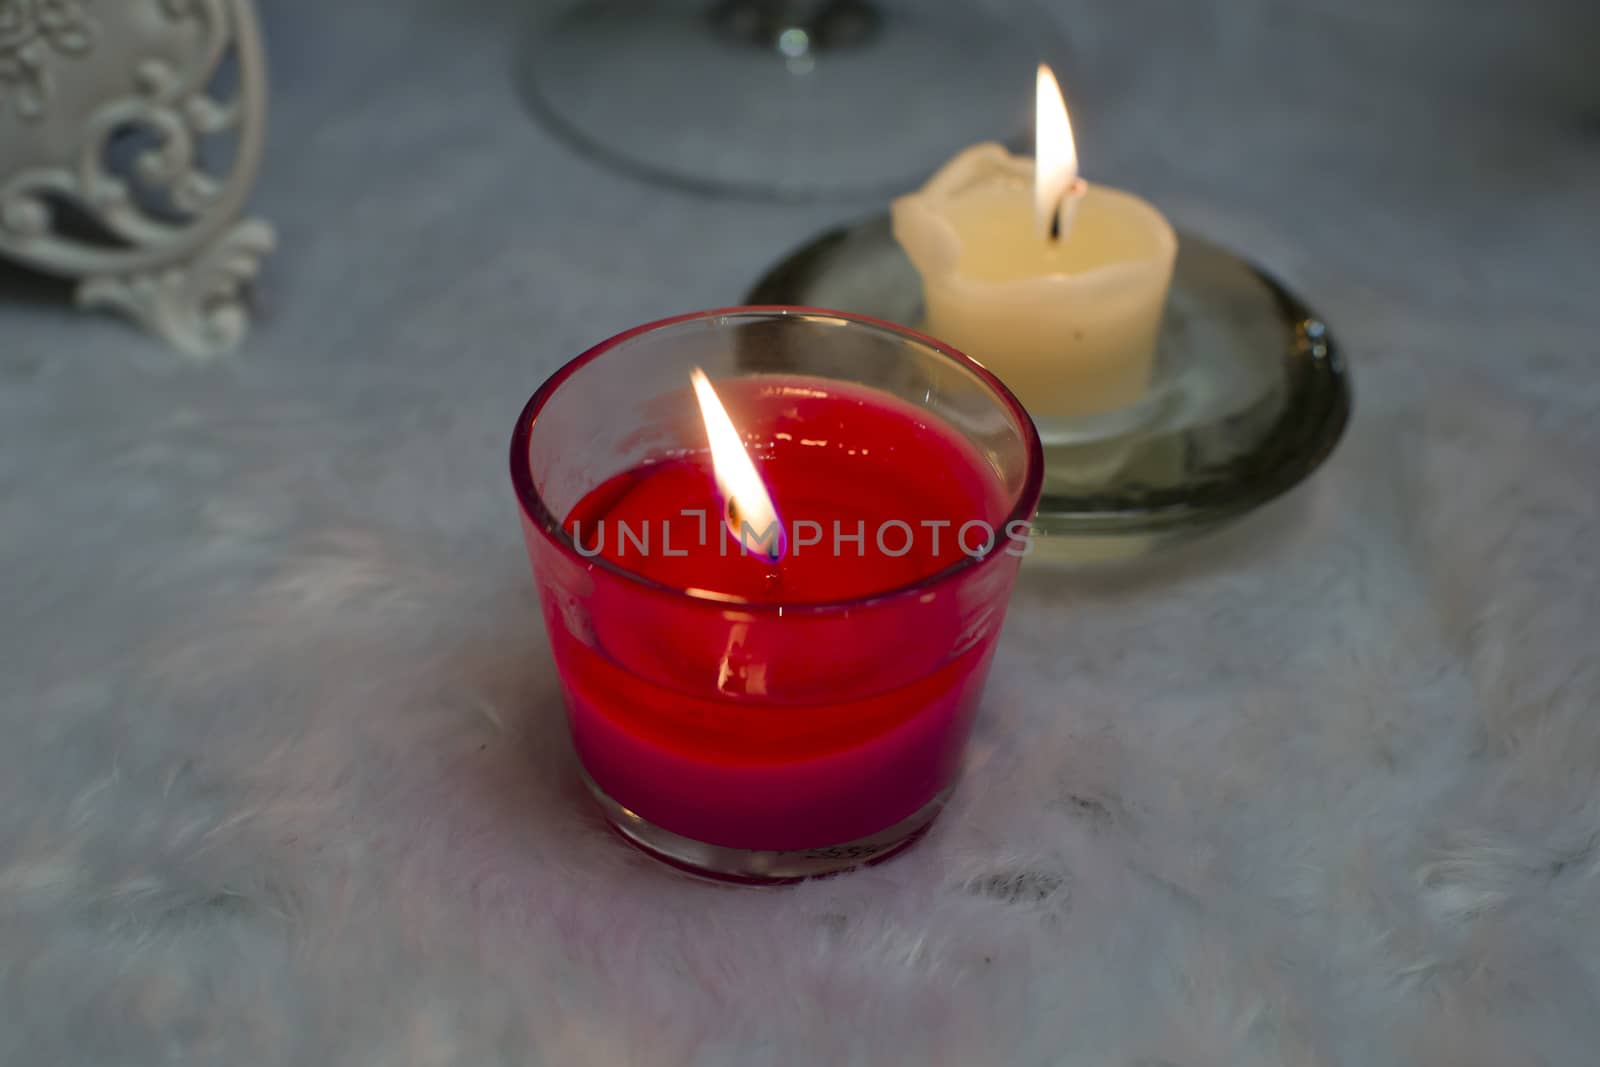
1055, 285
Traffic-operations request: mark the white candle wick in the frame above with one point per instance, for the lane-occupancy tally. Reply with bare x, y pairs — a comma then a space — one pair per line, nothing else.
1066, 211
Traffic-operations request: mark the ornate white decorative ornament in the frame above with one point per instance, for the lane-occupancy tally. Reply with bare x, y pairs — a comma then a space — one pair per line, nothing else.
130, 135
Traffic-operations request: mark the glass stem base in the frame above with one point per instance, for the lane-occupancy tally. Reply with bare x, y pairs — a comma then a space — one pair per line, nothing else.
763, 866
778, 101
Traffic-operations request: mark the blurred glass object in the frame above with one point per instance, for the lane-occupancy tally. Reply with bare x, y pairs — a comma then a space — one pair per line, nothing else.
776, 99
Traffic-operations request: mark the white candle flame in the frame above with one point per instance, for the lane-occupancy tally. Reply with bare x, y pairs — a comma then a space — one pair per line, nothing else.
748, 510
1056, 187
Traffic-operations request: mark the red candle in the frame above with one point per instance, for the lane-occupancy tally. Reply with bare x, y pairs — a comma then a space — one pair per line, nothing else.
759, 713
885, 495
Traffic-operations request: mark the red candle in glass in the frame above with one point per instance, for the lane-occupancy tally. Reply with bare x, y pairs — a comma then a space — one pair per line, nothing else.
759, 718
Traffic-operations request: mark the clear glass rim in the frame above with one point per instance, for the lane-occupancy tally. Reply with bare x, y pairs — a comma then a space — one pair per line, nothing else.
549, 525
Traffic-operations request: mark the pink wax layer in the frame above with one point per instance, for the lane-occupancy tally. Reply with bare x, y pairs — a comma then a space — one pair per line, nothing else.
750, 729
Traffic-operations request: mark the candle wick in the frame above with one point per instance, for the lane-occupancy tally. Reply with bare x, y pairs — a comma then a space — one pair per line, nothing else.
1066, 210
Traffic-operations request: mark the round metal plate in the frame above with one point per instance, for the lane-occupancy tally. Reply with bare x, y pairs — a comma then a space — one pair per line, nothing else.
1250, 394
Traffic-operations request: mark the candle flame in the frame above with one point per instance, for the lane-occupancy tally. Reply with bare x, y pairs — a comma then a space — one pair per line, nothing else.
1055, 175
748, 509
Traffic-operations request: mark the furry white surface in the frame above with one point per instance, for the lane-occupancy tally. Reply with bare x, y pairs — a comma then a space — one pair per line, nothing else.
283, 777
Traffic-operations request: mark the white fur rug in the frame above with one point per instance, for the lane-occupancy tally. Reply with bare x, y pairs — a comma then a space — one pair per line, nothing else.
283, 778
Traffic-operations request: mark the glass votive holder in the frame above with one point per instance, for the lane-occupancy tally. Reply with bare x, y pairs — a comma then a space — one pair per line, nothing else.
765, 719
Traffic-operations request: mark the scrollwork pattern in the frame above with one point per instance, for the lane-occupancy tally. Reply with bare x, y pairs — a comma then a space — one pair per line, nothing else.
175, 254
197, 305
33, 33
